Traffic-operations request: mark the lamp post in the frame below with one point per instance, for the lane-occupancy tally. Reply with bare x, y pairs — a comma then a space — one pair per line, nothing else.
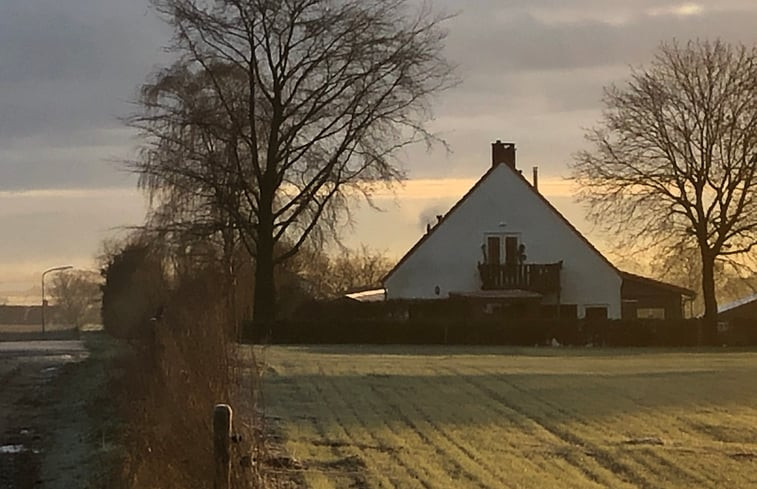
44, 301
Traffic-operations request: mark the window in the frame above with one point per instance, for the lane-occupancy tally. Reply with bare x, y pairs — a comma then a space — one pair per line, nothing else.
503, 248
493, 245
595, 313
650, 313
511, 250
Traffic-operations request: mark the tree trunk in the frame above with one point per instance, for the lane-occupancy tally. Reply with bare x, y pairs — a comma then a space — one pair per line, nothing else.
265, 295
710, 319
264, 302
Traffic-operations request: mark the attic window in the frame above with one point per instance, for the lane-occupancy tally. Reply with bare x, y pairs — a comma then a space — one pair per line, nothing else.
503, 248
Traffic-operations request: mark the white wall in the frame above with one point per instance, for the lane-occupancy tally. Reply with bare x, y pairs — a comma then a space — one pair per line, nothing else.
505, 203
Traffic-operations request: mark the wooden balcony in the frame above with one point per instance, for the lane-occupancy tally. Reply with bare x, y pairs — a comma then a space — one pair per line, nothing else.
542, 278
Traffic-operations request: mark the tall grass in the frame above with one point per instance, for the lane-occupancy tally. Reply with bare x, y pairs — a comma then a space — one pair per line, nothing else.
178, 371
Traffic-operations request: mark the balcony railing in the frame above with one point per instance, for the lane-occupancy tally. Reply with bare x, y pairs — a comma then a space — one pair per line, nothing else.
542, 278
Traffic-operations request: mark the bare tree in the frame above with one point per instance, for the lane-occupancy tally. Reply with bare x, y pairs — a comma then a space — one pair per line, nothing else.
348, 270
674, 159
77, 294
278, 111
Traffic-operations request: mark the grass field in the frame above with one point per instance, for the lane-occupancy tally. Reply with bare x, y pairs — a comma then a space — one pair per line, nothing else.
444, 417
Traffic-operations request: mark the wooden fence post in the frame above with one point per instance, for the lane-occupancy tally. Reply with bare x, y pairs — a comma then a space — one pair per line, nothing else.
221, 446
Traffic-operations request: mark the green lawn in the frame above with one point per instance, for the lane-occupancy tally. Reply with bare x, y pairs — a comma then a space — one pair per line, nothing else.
445, 417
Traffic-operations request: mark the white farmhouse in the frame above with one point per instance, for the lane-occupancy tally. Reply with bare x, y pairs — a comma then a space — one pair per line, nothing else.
503, 242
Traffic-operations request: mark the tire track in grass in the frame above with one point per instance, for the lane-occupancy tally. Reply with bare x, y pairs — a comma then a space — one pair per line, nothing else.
321, 433
370, 460
467, 453
508, 408
412, 473
601, 455
641, 413
427, 439
660, 460
398, 410
603, 458
501, 411
662, 467
636, 456
663, 460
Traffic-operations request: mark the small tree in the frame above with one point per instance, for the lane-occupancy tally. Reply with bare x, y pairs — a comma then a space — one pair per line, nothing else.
77, 294
134, 287
348, 270
674, 159
279, 111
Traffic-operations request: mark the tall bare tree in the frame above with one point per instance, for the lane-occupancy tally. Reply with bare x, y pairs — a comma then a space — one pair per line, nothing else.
674, 158
278, 111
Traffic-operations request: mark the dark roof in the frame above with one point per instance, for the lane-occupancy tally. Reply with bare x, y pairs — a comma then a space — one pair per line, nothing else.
658, 283
737, 303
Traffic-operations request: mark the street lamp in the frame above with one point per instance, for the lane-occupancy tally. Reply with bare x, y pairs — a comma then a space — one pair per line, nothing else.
44, 301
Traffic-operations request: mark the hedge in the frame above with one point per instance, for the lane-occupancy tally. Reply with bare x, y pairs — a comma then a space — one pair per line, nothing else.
523, 332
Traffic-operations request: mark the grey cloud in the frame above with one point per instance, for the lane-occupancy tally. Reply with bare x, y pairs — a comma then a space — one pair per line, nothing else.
540, 83
521, 42
83, 159
67, 72
75, 40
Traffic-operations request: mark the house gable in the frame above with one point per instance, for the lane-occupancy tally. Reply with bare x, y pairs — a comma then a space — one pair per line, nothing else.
503, 203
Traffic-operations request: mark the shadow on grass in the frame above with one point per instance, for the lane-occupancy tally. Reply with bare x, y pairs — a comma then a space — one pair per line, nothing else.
484, 350
551, 400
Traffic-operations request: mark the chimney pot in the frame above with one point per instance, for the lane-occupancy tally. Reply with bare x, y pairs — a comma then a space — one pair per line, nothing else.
503, 153
536, 178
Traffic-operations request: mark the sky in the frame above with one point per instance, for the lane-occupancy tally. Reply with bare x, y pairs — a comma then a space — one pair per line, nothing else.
532, 73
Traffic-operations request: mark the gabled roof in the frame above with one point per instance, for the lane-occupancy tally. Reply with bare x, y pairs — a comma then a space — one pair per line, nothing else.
658, 283
470, 192
548, 204
441, 221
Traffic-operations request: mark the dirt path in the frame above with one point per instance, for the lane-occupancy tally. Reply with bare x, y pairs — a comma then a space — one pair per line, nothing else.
28, 373
56, 427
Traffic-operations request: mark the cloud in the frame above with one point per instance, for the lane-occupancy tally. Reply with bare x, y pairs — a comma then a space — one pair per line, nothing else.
67, 72
681, 10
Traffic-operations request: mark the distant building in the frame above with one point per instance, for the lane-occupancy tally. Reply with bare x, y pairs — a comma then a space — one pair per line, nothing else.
504, 245
23, 315
744, 309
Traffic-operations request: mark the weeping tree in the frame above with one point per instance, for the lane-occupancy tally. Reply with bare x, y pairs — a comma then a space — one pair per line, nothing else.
277, 112
673, 164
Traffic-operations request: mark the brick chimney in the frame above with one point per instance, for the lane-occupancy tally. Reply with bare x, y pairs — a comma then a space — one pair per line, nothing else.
503, 153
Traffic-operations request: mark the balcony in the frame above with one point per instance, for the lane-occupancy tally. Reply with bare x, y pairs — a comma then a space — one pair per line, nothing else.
542, 278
